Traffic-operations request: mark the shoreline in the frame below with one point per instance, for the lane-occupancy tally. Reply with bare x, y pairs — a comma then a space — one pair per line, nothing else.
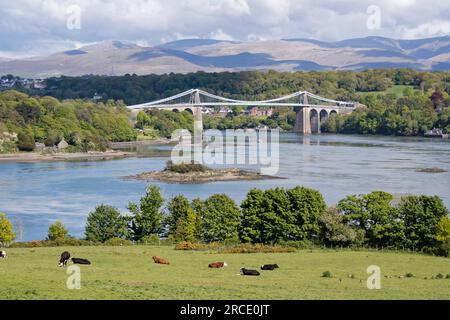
77, 156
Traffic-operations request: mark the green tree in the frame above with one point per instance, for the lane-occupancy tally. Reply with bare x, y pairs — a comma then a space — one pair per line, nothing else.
374, 214
220, 219
267, 216
25, 141
334, 231
422, 215
105, 223
186, 227
443, 229
307, 205
6, 230
57, 231
178, 208
147, 217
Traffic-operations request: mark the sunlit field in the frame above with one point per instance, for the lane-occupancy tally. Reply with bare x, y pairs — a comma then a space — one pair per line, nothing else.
129, 273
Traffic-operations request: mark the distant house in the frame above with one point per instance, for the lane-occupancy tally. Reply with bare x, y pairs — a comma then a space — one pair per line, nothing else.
206, 110
224, 111
256, 112
97, 97
62, 144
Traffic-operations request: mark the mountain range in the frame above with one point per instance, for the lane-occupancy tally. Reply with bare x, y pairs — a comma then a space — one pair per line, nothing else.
191, 55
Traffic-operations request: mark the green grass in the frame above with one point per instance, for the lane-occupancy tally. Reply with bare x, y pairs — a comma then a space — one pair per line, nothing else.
395, 89
129, 273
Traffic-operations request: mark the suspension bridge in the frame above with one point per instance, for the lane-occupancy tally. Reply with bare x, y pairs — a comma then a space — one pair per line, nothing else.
312, 110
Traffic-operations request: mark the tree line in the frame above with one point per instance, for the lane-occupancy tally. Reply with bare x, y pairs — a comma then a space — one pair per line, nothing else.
423, 105
277, 216
85, 125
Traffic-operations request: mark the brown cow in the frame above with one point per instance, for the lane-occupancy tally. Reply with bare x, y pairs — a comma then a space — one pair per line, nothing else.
160, 260
217, 264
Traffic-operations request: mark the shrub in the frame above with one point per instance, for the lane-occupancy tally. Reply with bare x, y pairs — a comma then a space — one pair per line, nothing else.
25, 142
439, 276
117, 242
185, 167
152, 239
409, 275
57, 231
6, 230
327, 274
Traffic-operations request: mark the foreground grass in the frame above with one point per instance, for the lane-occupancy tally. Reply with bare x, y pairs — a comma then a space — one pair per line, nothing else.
129, 273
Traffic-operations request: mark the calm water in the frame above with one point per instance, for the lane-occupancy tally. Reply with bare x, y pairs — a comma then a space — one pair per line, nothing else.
35, 194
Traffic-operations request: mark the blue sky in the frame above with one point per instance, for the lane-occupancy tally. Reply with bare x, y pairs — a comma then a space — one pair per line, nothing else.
34, 27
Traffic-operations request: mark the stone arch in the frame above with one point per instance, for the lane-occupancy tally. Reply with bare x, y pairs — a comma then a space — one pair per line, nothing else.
315, 122
333, 112
323, 116
189, 110
176, 110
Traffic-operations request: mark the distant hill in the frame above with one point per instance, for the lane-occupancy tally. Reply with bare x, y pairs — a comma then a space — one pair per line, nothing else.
190, 55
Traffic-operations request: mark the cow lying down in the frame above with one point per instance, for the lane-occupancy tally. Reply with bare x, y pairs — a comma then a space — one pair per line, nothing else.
160, 260
2, 254
80, 261
217, 265
248, 272
269, 267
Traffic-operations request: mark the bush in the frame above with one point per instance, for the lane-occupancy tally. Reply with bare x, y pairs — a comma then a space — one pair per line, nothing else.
6, 230
185, 167
409, 275
117, 242
152, 239
257, 248
327, 274
57, 231
25, 142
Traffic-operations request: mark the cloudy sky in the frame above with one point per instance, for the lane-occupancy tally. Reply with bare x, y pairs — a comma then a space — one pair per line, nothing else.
32, 27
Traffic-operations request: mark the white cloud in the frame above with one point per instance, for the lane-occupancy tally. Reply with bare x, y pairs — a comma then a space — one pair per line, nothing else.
220, 35
39, 26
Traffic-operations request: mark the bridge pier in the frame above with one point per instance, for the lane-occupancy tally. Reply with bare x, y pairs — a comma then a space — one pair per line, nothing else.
302, 121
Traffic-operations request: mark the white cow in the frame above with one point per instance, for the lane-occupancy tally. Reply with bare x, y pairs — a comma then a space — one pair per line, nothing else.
2, 254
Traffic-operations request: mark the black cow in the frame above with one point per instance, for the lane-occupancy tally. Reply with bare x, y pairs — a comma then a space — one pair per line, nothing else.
80, 261
64, 258
269, 267
248, 272
2, 254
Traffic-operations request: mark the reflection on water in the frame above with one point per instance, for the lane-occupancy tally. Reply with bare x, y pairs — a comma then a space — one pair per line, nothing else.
35, 194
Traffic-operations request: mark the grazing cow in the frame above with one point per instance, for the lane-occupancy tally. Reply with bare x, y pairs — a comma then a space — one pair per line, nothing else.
64, 258
2, 254
217, 264
80, 261
270, 267
248, 272
160, 260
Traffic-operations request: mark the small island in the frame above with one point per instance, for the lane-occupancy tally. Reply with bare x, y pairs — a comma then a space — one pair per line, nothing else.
198, 173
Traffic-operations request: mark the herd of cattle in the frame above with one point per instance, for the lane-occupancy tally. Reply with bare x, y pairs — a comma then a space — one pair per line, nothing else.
65, 256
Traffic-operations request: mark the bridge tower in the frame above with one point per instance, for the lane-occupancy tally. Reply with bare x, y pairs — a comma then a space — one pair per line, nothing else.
197, 111
302, 120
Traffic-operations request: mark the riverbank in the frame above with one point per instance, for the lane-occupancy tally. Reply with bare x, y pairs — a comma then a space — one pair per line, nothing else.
210, 175
76, 156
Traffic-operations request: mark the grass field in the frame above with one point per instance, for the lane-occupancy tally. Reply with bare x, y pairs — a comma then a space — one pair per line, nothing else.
395, 89
129, 273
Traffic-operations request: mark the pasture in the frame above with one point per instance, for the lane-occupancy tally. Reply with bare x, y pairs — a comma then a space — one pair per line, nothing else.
129, 273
